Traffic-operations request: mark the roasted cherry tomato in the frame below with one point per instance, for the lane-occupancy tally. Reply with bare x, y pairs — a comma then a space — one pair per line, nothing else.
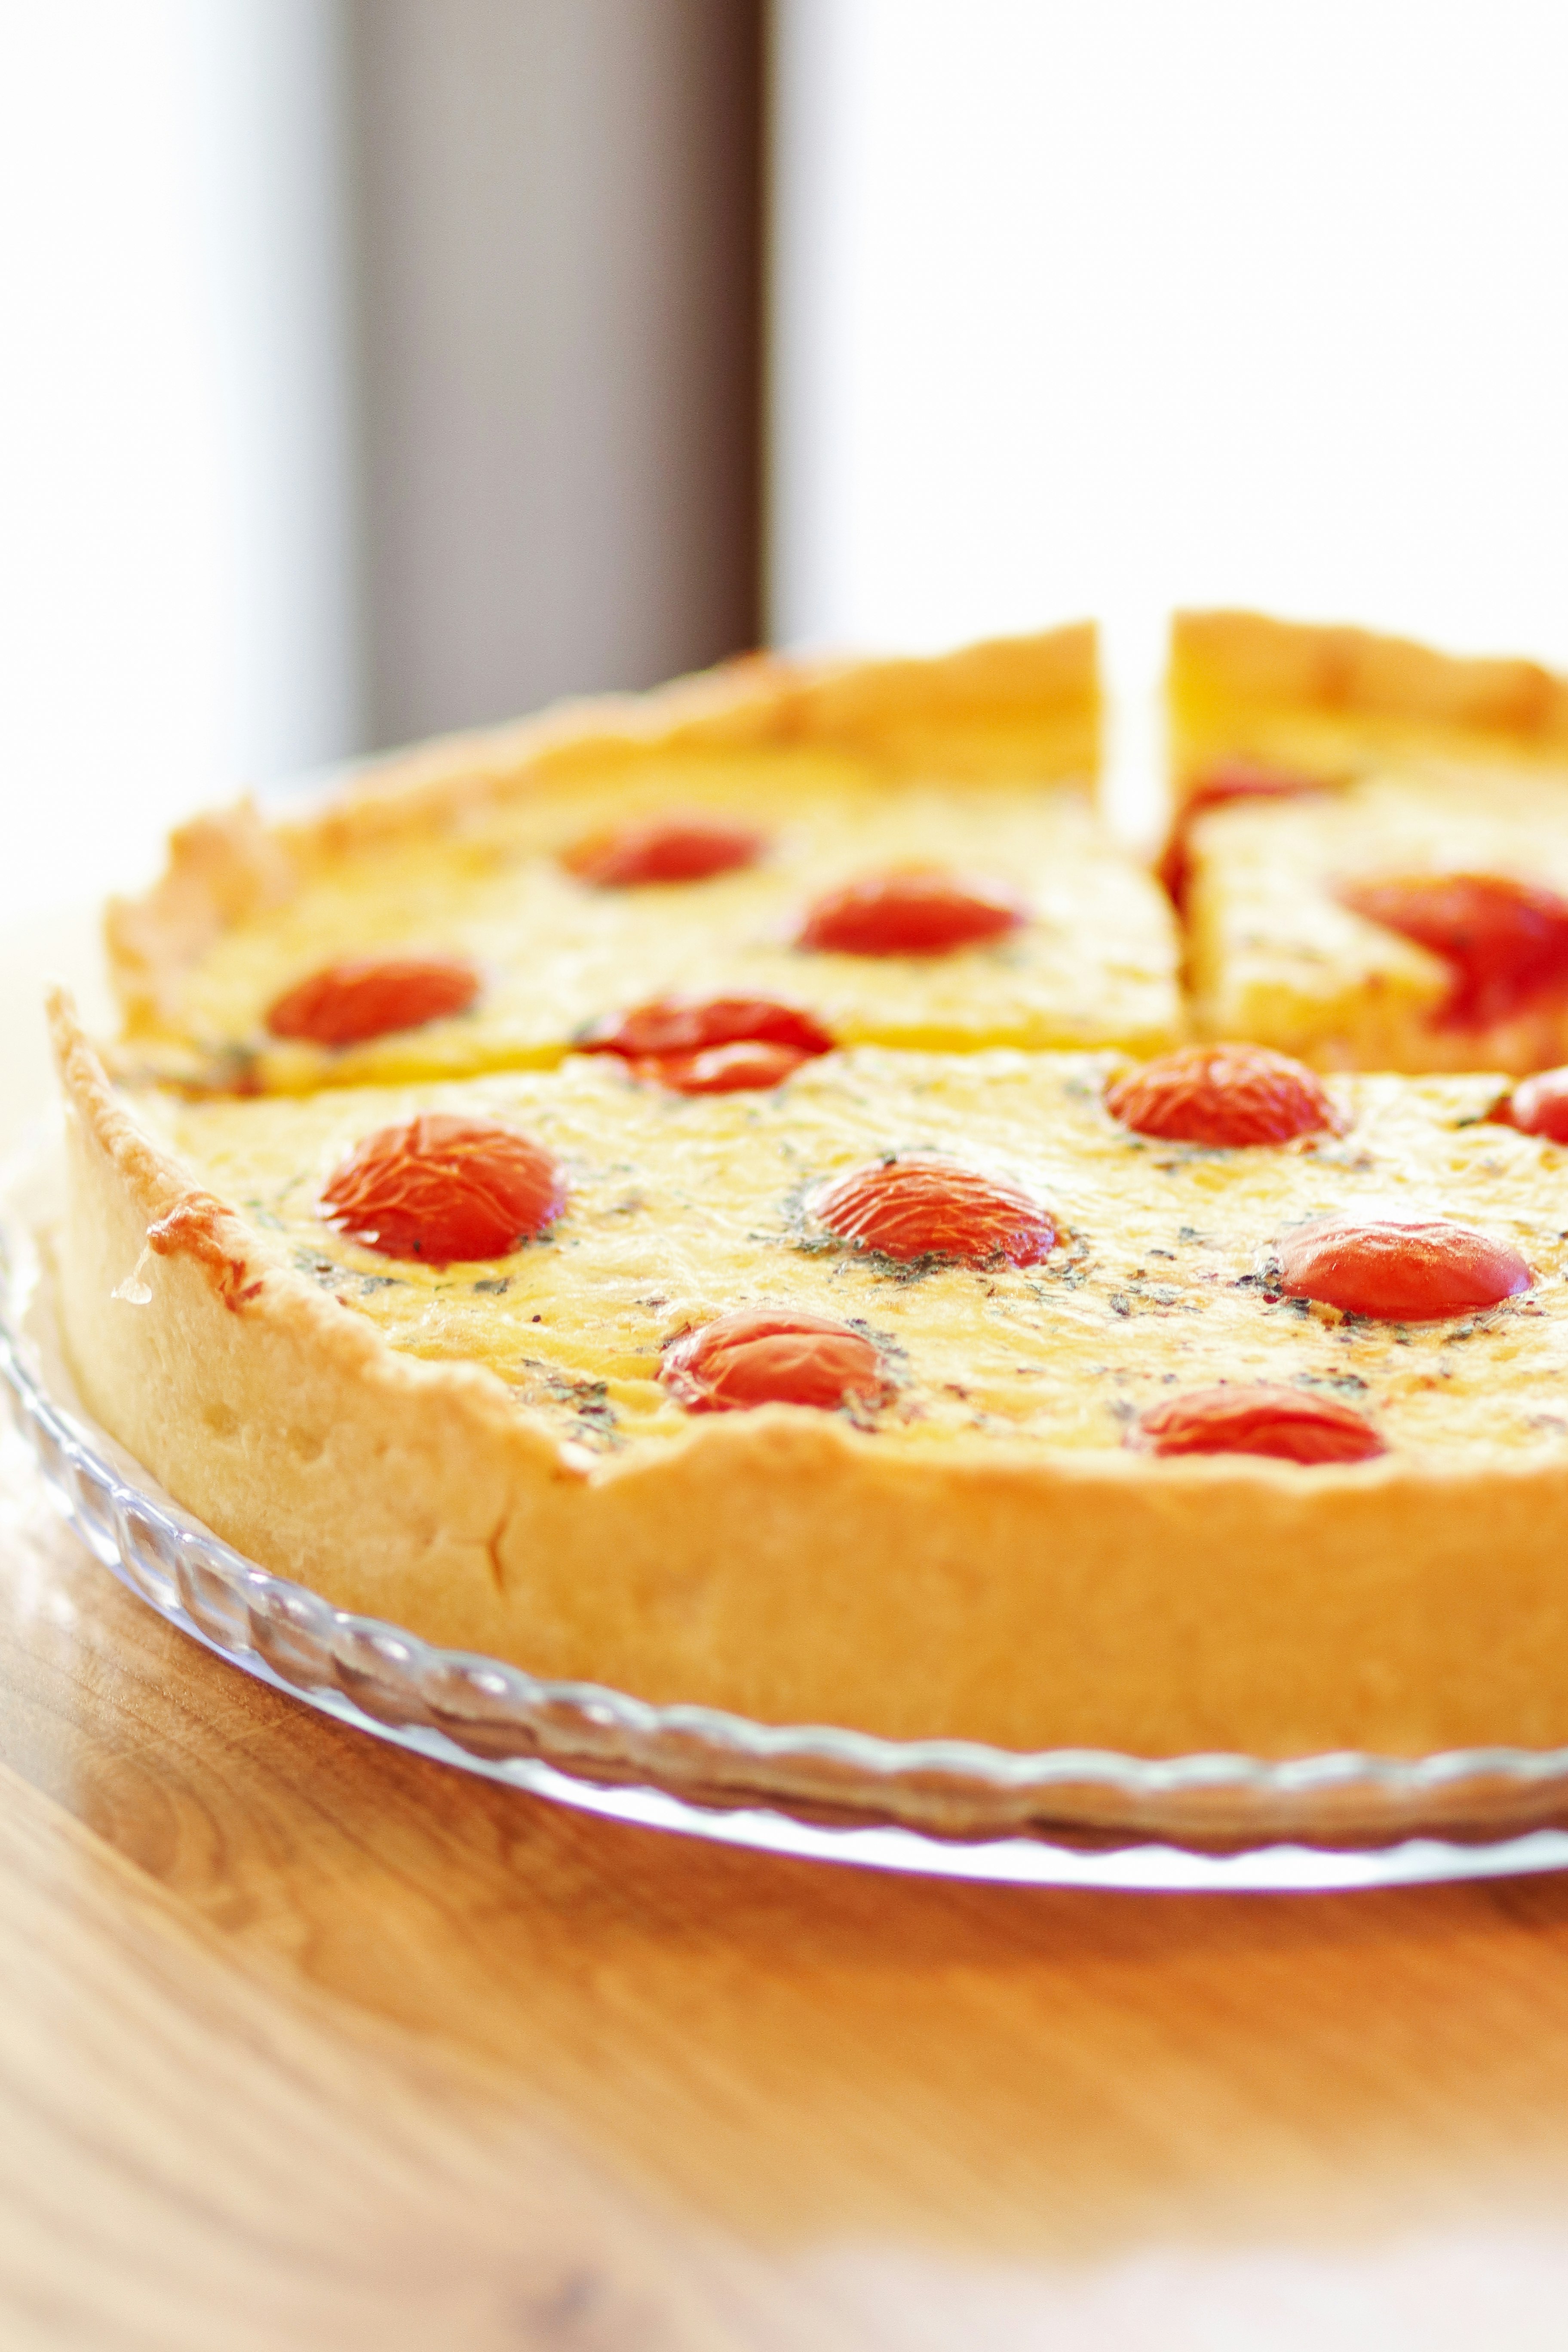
908, 915
371, 997
906, 1209
1538, 1105
676, 848
759, 1355
728, 1044
1402, 1269
749, 1066
438, 1188
1232, 780
1507, 941
655, 1030
1222, 1095
1290, 1425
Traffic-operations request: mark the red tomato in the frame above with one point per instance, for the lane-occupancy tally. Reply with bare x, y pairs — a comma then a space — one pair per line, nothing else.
729, 1043
1232, 780
1290, 1425
757, 1355
1222, 1095
908, 1209
1402, 1269
664, 1028
676, 848
909, 914
370, 996
438, 1188
1507, 941
749, 1065
1538, 1105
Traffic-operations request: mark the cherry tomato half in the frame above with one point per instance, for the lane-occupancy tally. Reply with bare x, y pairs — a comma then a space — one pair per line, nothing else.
665, 1028
1401, 1269
906, 1209
371, 997
439, 1188
728, 1044
1538, 1105
760, 1355
1222, 1095
1506, 940
908, 915
748, 1067
1288, 1425
675, 848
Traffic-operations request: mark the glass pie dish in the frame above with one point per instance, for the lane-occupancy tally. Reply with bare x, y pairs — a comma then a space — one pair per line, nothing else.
948, 1807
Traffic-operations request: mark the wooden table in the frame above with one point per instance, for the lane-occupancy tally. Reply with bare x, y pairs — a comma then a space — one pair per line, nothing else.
304, 2042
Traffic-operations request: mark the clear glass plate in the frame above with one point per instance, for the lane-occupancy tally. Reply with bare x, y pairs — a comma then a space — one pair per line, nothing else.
951, 1808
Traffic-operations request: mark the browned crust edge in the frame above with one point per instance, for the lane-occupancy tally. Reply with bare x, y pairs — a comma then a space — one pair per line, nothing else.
784, 1565
1250, 664
229, 865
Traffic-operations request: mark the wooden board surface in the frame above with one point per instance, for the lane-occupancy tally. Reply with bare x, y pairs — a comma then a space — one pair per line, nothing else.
305, 2042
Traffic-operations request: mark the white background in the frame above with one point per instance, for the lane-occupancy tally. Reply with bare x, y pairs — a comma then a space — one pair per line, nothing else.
176, 484
1117, 304
1080, 305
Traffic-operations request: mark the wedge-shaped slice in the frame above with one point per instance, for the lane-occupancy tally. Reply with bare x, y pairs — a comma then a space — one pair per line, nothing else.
1370, 847
692, 844
1331, 703
1402, 923
1010, 1331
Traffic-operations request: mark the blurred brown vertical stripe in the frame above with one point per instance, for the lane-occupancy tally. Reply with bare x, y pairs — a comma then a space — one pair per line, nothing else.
557, 214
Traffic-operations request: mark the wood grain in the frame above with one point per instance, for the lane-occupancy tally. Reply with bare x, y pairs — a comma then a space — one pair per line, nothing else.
305, 2042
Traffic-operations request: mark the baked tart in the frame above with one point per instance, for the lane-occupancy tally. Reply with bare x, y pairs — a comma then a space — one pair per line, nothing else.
1369, 848
708, 1195
905, 854
1049, 1399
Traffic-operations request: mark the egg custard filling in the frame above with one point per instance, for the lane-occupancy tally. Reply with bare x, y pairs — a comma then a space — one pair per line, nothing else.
1409, 921
1369, 846
924, 914
1088, 1277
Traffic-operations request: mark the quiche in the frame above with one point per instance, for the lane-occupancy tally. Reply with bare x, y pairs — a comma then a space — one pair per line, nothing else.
903, 854
1370, 847
709, 1193
1050, 1399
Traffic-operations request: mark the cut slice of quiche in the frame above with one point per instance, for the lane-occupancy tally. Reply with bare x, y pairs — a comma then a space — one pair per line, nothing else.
1330, 702
903, 852
1369, 846
991, 1397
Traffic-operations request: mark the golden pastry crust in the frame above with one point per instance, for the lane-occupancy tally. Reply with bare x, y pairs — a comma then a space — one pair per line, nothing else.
1334, 700
1011, 707
780, 1562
